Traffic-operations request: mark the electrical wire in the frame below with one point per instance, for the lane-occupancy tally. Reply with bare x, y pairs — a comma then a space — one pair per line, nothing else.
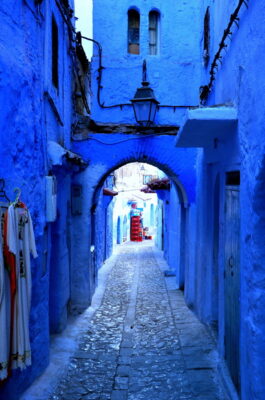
100, 87
234, 19
118, 142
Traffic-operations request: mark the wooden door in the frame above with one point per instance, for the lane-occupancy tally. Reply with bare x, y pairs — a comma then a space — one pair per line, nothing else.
215, 254
232, 281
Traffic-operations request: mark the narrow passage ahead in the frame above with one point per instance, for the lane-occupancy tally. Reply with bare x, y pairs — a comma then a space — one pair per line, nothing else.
142, 342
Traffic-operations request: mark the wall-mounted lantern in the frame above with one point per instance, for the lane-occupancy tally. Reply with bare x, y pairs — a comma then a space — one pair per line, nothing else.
144, 102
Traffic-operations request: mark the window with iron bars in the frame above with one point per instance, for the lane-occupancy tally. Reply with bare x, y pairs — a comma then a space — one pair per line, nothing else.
153, 32
133, 32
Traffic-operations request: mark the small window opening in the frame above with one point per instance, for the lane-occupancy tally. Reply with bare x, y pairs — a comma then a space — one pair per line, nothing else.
133, 32
55, 46
233, 178
206, 39
153, 32
147, 178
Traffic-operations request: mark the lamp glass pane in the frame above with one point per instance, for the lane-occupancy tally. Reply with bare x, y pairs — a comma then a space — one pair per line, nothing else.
153, 111
142, 111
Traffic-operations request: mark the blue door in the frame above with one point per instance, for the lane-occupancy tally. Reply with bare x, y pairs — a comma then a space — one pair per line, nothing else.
215, 253
232, 282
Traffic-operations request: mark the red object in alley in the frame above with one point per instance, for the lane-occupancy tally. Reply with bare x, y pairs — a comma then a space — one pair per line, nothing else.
136, 229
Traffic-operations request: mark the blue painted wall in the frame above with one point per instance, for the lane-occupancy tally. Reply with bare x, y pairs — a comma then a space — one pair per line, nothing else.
27, 121
59, 290
173, 233
159, 239
103, 229
174, 73
239, 81
23, 159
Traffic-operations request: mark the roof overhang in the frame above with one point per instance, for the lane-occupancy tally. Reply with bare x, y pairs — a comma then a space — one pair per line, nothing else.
59, 156
159, 184
203, 126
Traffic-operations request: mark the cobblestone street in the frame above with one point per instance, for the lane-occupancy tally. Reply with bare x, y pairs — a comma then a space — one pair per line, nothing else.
143, 342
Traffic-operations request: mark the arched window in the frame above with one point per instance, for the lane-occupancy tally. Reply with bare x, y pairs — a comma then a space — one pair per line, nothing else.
133, 32
153, 32
206, 38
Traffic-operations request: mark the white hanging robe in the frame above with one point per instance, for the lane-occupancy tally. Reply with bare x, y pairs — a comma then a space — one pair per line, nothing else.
4, 309
21, 242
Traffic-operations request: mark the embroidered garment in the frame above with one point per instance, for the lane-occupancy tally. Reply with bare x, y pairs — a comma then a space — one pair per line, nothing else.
4, 308
21, 242
10, 265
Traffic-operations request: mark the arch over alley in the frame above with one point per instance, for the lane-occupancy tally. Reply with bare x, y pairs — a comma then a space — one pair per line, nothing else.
104, 154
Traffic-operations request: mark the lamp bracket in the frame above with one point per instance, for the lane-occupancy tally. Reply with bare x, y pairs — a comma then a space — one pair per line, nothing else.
144, 78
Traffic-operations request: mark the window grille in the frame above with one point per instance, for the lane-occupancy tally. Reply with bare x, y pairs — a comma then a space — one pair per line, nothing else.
133, 32
153, 32
55, 53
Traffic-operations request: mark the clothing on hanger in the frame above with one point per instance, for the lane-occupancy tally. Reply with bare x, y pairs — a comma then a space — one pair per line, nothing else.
5, 312
17, 242
20, 243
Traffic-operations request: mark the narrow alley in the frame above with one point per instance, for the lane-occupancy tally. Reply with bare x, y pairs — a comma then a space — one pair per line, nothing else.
142, 342
132, 187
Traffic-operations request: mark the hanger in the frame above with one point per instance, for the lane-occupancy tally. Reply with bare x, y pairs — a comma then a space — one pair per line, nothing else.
17, 190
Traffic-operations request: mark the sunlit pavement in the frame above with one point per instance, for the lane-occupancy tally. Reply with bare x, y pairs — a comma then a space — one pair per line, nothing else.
142, 342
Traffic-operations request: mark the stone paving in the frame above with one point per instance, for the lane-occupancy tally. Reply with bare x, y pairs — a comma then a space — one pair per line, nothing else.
142, 343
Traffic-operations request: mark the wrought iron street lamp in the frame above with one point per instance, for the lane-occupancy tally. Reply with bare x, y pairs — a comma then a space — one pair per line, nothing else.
144, 103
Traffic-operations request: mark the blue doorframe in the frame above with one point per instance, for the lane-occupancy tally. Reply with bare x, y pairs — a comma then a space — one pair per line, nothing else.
232, 282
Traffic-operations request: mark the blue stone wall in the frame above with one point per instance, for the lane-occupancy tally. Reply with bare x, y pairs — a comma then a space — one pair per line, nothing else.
27, 121
58, 116
59, 290
103, 229
100, 231
109, 229
240, 81
159, 242
23, 160
174, 232
174, 73
174, 229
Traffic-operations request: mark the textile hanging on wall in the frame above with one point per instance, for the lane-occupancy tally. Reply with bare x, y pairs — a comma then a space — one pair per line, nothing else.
10, 265
21, 242
4, 307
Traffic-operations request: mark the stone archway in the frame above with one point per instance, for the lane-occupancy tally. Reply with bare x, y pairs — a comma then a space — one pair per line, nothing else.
104, 153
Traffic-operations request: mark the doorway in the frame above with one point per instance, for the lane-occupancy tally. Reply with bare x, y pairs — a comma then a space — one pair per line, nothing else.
232, 275
215, 254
